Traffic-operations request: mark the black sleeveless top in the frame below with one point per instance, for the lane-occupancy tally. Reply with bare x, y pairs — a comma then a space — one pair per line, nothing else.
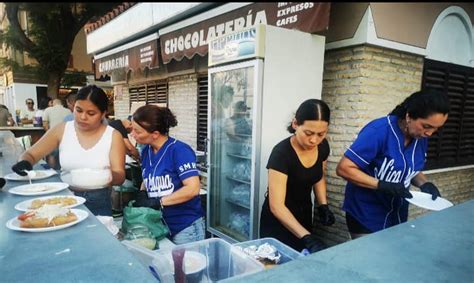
284, 159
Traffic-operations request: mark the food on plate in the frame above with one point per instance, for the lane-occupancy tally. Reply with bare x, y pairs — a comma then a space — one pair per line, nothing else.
46, 216
63, 201
35, 188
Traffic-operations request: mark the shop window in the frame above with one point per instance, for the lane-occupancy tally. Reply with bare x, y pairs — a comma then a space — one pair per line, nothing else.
453, 144
152, 92
202, 112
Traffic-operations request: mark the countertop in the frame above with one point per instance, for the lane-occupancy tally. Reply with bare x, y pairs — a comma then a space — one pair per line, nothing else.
85, 252
437, 247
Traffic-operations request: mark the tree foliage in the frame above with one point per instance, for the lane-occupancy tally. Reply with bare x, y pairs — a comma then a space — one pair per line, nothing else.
50, 35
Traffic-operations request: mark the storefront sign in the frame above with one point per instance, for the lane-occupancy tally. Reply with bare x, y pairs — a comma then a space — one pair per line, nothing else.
236, 46
307, 17
140, 56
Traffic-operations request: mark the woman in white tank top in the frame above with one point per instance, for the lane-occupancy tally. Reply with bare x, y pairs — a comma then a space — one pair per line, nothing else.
85, 142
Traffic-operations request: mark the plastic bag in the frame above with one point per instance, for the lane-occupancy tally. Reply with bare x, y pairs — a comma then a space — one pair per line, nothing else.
146, 216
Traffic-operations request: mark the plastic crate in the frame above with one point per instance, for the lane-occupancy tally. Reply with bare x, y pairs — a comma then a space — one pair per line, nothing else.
220, 261
287, 253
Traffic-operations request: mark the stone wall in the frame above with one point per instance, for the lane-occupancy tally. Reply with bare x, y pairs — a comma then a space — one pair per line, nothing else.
360, 84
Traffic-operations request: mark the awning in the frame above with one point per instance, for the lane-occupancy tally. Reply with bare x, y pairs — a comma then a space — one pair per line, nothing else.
141, 53
307, 17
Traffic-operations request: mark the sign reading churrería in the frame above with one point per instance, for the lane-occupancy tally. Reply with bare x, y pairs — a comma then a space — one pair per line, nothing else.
304, 16
141, 56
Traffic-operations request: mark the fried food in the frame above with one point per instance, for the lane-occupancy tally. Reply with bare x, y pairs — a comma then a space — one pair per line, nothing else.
34, 222
46, 216
63, 201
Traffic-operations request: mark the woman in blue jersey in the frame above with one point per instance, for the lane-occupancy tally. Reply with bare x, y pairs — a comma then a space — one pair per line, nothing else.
387, 156
169, 173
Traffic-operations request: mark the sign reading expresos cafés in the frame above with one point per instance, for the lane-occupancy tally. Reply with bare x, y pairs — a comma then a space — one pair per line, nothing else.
304, 16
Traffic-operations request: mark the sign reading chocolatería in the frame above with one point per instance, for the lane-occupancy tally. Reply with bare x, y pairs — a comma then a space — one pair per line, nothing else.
140, 56
304, 16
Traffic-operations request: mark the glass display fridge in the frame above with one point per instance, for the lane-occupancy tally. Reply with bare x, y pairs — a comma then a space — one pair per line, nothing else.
255, 83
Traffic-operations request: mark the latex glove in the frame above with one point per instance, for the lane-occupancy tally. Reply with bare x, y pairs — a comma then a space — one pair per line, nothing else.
21, 166
312, 243
431, 189
326, 217
142, 200
394, 189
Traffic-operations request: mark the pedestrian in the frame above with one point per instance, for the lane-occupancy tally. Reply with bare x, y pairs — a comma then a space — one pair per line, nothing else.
387, 156
85, 142
54, 115
27, 114
296, 166
4, 116
170, 176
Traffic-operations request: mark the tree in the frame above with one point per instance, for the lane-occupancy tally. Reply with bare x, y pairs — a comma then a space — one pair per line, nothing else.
52, 28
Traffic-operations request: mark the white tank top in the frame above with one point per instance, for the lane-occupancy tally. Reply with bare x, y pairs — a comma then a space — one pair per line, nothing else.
73, 156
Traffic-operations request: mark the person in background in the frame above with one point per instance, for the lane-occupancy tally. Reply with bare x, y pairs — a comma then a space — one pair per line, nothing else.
238, 124
4, 115
55, 115
85, 142
170, 176
296, 166
387, 156
27, 115
42, 105
70, 100
125, 127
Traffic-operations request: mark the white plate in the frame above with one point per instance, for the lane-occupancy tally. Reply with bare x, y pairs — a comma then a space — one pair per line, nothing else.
14, 223
40, 174
38, 189
424, 200
25, 205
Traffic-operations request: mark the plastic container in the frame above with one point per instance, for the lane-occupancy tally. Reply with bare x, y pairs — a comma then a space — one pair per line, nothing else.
146, 256
218, 260
287, 254
141, 235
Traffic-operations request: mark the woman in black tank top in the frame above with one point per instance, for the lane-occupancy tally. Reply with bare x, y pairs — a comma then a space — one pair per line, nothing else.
297, 165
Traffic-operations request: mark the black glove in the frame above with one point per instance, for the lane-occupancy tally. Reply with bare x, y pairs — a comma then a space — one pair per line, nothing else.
326, 217
431, 189
21, 166
142, 200
2, 183
312, 243
394, 189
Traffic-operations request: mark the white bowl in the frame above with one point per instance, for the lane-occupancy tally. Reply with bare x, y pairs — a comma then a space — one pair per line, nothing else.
87, 178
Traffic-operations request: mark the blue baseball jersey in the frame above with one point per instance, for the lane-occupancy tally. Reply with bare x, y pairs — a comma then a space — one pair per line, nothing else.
379, 151
163, 173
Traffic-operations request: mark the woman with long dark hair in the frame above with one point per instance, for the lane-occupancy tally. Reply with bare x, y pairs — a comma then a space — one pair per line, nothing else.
296, 166
86, 142
387, 156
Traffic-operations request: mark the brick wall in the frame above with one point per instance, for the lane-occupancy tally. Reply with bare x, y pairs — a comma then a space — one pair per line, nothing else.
360, 84
183, 102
